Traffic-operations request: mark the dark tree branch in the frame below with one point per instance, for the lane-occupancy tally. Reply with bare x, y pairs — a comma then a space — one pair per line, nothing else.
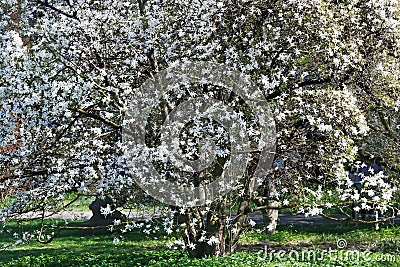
46, 4
278, 93
97, 117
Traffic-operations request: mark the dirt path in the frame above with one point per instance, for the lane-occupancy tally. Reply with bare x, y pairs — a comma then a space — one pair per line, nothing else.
284, 219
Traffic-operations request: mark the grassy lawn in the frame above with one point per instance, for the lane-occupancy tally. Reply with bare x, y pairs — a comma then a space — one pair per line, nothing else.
293, 246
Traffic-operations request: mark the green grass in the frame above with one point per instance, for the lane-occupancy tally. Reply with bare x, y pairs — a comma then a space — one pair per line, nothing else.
82, 248
353, 233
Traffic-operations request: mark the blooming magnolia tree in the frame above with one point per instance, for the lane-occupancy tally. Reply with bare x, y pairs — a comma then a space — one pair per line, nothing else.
103, 86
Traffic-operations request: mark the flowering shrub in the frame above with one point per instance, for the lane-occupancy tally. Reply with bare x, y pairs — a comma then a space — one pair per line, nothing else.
320, 68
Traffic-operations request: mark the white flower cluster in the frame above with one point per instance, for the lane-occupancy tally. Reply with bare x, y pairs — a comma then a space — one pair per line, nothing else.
69, 73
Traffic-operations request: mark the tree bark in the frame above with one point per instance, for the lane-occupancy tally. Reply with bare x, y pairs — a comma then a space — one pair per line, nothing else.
213, 225
271, 215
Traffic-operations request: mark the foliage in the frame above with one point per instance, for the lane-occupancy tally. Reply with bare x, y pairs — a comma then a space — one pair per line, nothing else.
79, 248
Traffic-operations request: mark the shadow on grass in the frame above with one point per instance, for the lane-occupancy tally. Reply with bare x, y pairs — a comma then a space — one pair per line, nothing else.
77, 246
82, 248
356, 236
344, 229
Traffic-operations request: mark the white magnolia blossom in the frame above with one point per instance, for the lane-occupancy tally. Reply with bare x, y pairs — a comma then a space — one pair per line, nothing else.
69, 73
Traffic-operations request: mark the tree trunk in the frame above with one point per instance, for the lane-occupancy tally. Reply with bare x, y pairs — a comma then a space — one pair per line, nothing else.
214, 226
271, 215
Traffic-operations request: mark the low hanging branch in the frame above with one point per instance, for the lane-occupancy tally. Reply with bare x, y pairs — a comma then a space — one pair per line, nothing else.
96, 117
348, 218
62, 228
